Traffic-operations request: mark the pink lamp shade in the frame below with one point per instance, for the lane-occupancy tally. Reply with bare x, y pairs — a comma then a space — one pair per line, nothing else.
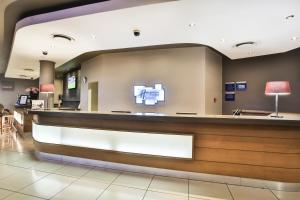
280, 88
47, 88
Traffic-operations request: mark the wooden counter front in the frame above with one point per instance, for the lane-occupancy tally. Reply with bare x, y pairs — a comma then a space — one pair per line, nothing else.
233, 148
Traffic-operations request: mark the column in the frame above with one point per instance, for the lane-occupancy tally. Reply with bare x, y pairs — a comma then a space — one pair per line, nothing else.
47, 75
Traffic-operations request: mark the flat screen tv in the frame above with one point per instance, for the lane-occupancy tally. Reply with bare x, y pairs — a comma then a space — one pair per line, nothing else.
149, 95
71, 82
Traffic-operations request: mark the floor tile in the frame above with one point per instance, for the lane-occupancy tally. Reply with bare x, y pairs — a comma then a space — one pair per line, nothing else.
150, 195
7, 170
102, 175
4, 193
249, 193
48, 166
208, 190
7, 157
25, 161
18, 196
115, 192
281, 195
169, 185
72, 170
48, 186
141, 181
82, 189
21, 179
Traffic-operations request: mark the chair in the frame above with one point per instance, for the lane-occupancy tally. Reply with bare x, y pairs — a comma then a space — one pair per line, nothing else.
7, 124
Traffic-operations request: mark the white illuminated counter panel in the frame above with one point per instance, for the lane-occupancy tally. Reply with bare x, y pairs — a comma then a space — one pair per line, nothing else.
156, 144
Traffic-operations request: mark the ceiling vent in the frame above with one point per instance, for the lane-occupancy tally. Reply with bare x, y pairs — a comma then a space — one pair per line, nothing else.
62, 38
244, 44
29, 70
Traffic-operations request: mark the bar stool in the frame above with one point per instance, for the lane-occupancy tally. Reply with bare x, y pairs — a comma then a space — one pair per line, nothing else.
7, 124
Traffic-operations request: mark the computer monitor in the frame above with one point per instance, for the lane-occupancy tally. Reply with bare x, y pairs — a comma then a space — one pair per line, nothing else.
23, 100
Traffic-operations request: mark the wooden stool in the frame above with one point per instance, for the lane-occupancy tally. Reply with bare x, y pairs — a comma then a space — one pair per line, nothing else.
7, 124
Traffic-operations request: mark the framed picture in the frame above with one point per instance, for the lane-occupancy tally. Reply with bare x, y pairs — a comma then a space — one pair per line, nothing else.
230, 86
241, 86
8, 85
38, 105
230, 96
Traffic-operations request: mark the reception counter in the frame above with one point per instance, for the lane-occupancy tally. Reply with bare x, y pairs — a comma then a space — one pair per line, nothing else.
257, 147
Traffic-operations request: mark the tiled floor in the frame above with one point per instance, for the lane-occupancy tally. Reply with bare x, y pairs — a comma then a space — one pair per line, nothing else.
23, 177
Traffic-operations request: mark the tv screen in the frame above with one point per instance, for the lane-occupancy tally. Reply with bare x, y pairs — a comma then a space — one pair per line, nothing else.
149, 95
72, 82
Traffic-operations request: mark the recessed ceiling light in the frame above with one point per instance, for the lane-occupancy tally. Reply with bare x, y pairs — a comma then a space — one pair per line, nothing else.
222, 40
294, 38
244, 44
93, 36
289, 17
192, 24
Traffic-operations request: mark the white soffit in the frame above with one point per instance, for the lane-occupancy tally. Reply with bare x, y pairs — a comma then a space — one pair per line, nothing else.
215, 23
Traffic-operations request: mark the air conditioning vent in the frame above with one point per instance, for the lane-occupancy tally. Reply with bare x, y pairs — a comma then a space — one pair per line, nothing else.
29, 70
62, 37
244, 44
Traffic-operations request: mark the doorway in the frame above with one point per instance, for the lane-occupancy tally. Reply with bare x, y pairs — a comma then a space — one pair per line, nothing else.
93, 96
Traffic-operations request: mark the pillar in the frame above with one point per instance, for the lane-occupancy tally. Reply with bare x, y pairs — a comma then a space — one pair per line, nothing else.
47, 75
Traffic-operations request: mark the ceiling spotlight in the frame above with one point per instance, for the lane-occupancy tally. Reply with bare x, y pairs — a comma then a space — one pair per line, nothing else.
192, 24
93, 36
244, 44
222, 40
136, 32
289, 17
294, 38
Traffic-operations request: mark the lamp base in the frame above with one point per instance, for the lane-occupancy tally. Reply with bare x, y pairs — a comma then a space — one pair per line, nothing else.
276, 116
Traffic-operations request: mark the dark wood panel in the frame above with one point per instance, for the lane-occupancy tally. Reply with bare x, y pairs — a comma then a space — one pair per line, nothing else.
248, 157
229, 169
286, 132
248, 143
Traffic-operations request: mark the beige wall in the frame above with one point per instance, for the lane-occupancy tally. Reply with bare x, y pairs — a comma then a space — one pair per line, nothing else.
181, 71
213, 82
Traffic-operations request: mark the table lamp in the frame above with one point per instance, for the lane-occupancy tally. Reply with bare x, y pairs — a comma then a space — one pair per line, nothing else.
47, 89
277, 88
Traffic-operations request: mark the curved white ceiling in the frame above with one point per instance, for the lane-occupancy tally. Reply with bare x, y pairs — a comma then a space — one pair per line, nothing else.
215, 23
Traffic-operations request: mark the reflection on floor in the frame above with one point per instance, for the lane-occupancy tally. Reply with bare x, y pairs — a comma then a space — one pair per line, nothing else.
23, 177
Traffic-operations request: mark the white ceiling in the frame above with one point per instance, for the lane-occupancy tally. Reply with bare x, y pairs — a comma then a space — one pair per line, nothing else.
218, 24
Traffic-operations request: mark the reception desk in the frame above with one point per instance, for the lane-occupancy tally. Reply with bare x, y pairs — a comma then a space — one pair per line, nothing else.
257, 147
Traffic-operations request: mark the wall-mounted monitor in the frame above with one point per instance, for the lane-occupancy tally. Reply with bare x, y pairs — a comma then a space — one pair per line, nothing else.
149, 95
71, 82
